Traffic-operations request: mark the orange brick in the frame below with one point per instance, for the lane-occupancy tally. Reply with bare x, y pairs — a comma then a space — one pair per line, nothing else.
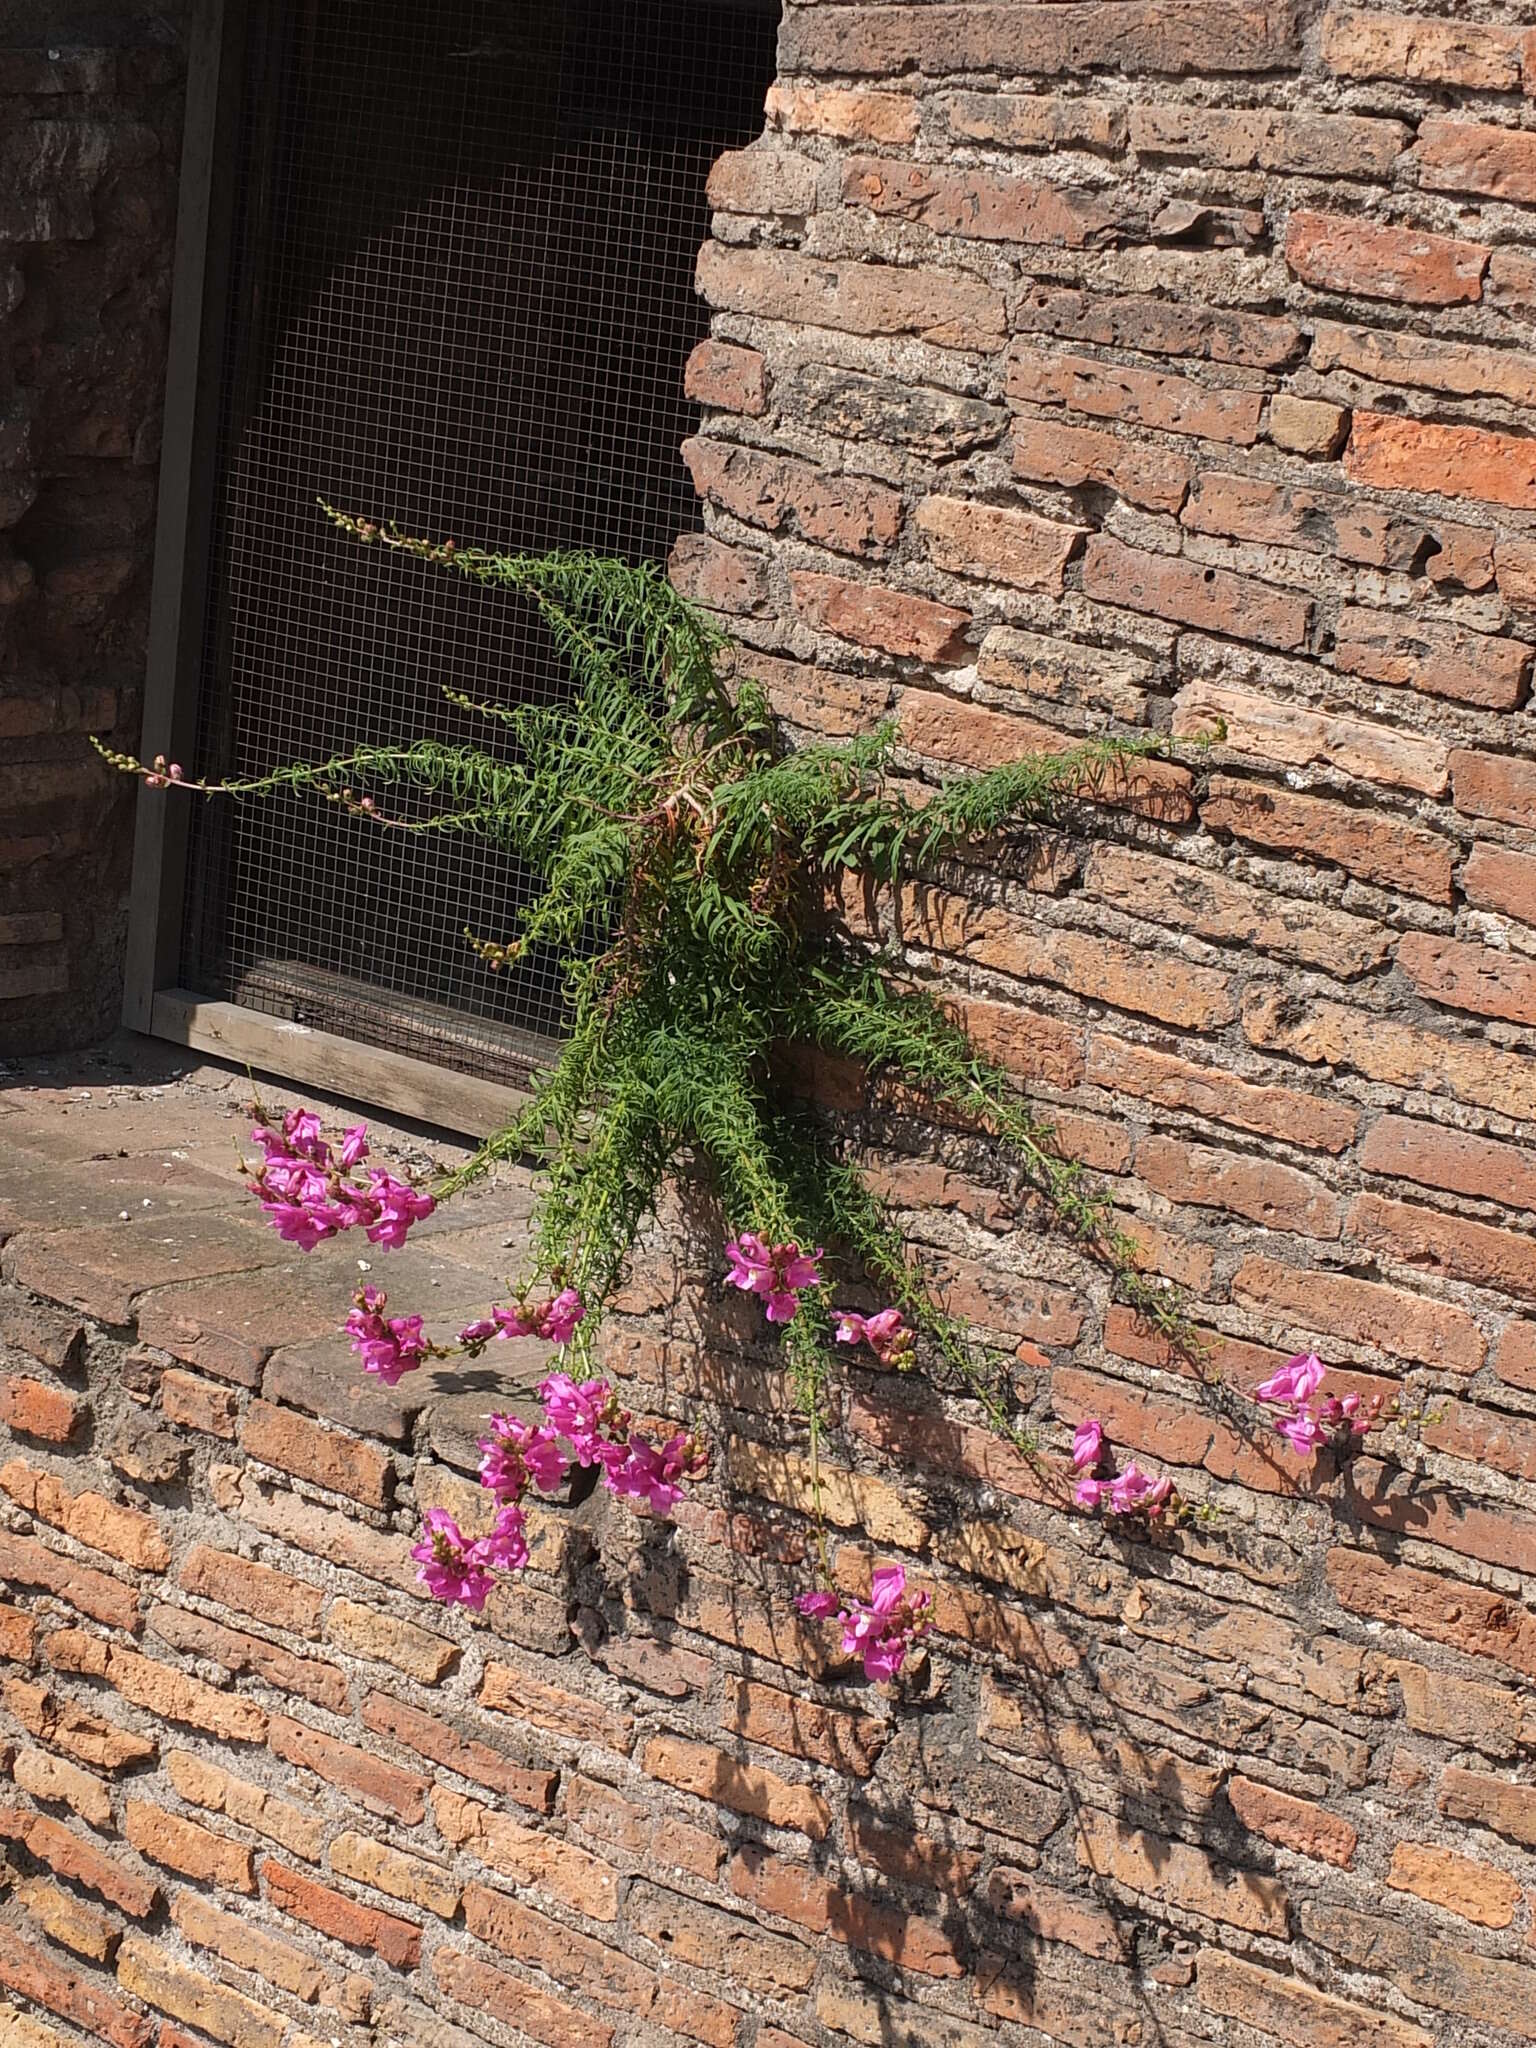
410, 1878
80, 1996
68, 1855
396, 1941
1461, 1884
546, 2019
325, 1457
52, 1778
250, 1588
1293, 1823
183, 1845
442, 1744
1339, 254
382, 1788
776, 1886
588, 1966
195, 1403
250, 1948
33, 1408
529, 1855
124, 1533
746, 1788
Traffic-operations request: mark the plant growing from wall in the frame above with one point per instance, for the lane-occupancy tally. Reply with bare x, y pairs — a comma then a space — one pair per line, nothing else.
685, 851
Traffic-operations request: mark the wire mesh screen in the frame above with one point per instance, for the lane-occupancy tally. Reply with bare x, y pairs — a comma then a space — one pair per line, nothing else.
461, 298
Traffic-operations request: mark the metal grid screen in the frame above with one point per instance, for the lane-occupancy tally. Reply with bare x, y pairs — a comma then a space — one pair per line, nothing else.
462, 298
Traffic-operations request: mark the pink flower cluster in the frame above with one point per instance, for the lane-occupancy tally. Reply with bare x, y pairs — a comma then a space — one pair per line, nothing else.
587, 1416
1306, 1422
304, 1186
885, 1334
390, 1346
554, 1320
780, 1273
881, 1629
1131, 1492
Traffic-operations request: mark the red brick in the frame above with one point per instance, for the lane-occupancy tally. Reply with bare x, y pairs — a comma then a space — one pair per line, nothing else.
1515, 566
1032, 120
1437, 1156
397, 1941
1477, 978
1145, 398
733, 379
1515, 1362
1048, 451
1292, 1823
1215, 600
997, 543
63, 1725
545, 2019
774, 1885
774, 491
1442, 661
1368, 843
1180, 895
18, 1635
1363, 1312
1292, 2010
156, 1687
1454, 1245
1338, 253
1117, 35
1468, 1618
1175, 1083
889, 621
1461, 1884
588, 1966
191, 1402
1359, 43
250, 1588
902, 1851
1263, 1190
616, 1823
310, 1678
90, 1518
745, 1788
1393, 453
1181, 1875
1496, 878
985, 205
529, 1699
33, 1408
1476, 156
1484, 1436
339, 1538
342, 1464
853, 298
183, 1845
249, 1948
80, 1996
70, 1855
850, 116
848, 1743
529, 1856
381, 1788
444, 1745
1025, 1042
1457, 367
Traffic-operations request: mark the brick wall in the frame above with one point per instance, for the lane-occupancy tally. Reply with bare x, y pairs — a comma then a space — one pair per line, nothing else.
1052, 383
90, 113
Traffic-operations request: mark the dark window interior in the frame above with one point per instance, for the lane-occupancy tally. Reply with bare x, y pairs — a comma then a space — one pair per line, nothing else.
461, 297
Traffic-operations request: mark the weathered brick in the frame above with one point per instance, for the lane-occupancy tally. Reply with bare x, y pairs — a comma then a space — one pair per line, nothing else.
1442, 661
342, 1464
1175, 1083
1264, 139
1145, 398
774, 491
1165, 327
986, 205
1458, 367
1446, 1977
997, 542
1182, 1875
396, 1941
1029, 120
745, 1788
1295, 735
443, 1744
666, 1843
33, 1408
527, 1698
888, 621
183, 1845
853, 298
64, 1725
42, 1331
1461, 1884
973, 736
1497, 878
275, 1597
70, 1855
546, 2019
1482, 1623
1515, 1361
1292, 1823
1429, 50
1385, 1050
1393, 453
157, 1688
1455, 1245
849, 115
1365, 1312
1049, 451
1293, 2010
53, 1778
1368, 843
80, 1996
589, 1966
1507, 1809
251, 1948
18, 1635
734, 379
1214, 600
1438, 1156
381, 1788
192, 1402
530, 1856
368, 1633
1265, 1191
83, 1929
789, 1890
309, 1677
1476, 156
145, 1971
209, 1785
1409, 265
1466, 977
90, 1518
763, 180
410, 1878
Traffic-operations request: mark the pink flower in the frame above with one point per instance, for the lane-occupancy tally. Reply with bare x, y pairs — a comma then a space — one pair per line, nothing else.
397, 1208
881, 1629
1302, 1431
473, 1335
818, 1606
506, 1548
1088, 1443
354, 1146
517, 1451
557, 1322
1090, 1492
579, 1413
452, 1568
389, 1349
295, 1224
779, 1273
886, 1333
515, 1322
306, 1135
1297, 1380
645, 1473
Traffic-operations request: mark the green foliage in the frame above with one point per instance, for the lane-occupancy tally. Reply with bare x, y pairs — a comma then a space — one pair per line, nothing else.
684, 850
